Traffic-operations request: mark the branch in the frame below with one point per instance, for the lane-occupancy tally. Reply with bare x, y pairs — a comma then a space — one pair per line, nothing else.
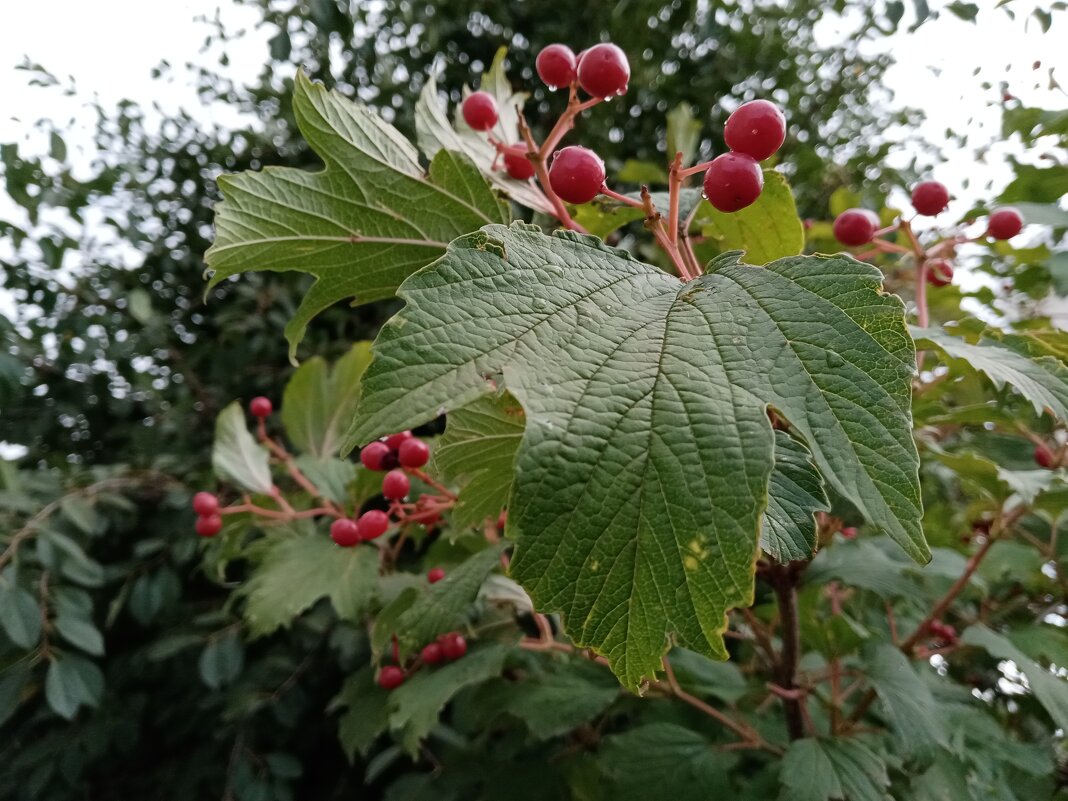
784, 582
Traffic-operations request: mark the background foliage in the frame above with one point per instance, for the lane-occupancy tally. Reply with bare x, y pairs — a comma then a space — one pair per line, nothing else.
132, 667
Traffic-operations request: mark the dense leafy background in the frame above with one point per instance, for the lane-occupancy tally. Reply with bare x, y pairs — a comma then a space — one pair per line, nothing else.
151, 677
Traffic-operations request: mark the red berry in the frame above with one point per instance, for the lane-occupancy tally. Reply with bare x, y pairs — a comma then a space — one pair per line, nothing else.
855, 227
930, 198
1045, 457
395, 485
435, 574
205, 504
432, 653
603, 71
394, 441
480, 110
390, 677
576, 174
453, 646
413, 453
756, 128
849, 532
209, 525
733, 181
939, 272
949, 633
519, 167
345, 532
1005, 223
261, 406
556, 65
373, 524
373, 455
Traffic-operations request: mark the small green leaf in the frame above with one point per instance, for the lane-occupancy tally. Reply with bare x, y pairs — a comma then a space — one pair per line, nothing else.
477, 452
767, 230
319, 402
1043, 381
1050, 690
415, 705
683, 133
795, 494
643, 472
703, 676
331, 477
81, 633
831, 770
295, 572
663, 760
555, 702
20, 615
79, 510
905, 701
443, 606
236, 456
366, 713
222, 660
360, 226
13, 682
72, 681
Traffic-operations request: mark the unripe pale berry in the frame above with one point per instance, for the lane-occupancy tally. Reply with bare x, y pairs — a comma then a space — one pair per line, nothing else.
373, 455
576, 174
733, 181
261, 406
453, 646
413, 453
204, 504
1044, 456
393, 441
855, 227
603, 71
1005, 223
480, 110
556, 65
432, 654
519, 167
395, 485
930, 198
209, 525
345, 532
756, 128
390, 677
939, 272
373, 524
435, 574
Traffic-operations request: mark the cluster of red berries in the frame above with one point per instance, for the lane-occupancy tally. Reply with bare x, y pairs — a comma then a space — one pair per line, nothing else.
403, 449
754, 132
446, 648
857, 227
209, 521
371, 525
942, 631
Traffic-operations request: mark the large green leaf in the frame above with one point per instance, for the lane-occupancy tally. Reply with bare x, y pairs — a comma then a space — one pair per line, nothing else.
643, 473
478, 452
235, 454
832, 770
795, 494
1050, 690
905, 702
1042, 381
360, 226
767, 230
434, 133
318, 402
295, 572
557, 701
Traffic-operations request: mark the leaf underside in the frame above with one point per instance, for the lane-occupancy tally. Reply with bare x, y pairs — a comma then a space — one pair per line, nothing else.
361, 225
643, 473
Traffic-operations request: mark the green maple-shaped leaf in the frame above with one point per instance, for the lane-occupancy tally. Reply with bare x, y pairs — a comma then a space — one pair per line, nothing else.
360, 226
643, 472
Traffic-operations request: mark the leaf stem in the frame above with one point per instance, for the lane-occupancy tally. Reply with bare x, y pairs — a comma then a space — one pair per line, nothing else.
537, 158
